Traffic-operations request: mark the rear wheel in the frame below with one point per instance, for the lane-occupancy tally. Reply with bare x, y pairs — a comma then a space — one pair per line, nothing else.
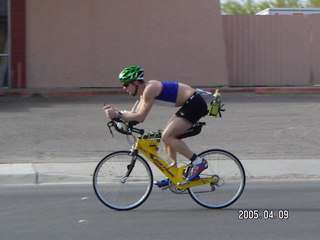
118, 191
229, 180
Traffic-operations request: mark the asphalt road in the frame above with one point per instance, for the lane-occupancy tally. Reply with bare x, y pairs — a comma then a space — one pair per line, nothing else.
73, 212
38, 129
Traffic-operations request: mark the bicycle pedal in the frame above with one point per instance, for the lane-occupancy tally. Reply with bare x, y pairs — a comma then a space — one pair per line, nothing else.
164, 188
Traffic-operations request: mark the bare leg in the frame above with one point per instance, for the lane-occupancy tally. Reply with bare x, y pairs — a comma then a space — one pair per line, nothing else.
171, 153
172, 144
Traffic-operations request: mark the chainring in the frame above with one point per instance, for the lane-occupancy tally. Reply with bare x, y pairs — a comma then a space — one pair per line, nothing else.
173, 188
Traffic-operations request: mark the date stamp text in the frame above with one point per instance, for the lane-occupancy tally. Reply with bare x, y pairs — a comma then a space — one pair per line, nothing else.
255, 214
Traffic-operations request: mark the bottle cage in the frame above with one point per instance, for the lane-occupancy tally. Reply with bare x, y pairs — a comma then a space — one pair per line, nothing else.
216, 105
215, 109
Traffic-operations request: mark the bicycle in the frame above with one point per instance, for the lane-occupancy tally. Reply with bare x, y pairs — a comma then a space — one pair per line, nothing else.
123, 180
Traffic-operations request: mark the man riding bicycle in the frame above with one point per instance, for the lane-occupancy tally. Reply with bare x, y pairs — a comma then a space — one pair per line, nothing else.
192, 108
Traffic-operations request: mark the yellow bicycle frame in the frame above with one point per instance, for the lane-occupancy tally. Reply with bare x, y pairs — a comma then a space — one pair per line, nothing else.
149, 148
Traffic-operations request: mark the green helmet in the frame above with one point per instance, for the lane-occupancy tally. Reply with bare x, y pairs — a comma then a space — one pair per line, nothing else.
130, 74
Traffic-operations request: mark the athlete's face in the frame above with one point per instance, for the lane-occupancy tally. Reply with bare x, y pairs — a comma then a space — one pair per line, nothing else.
129, 87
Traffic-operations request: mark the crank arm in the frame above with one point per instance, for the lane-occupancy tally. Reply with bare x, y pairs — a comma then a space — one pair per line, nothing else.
189, 184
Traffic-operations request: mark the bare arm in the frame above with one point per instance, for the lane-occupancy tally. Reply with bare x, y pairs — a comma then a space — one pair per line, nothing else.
143, 108
140, 109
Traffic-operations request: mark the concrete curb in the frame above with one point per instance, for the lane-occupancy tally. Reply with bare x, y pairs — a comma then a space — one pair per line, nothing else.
56, 173
39, 173
288, 90
79, 92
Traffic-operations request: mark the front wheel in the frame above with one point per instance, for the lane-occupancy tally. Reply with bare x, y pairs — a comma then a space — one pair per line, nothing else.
122, 181
228, 180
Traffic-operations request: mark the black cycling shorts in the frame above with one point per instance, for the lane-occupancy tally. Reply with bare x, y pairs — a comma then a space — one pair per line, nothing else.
193, 109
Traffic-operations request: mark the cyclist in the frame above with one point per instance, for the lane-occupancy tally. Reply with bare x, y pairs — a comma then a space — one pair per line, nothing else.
192, 108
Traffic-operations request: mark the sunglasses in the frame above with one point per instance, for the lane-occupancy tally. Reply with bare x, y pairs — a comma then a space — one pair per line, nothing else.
126, 84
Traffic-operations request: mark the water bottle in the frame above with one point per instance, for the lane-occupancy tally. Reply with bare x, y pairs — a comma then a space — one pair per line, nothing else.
215, 104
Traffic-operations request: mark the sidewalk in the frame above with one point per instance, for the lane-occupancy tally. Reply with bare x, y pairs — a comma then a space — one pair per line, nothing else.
54, 173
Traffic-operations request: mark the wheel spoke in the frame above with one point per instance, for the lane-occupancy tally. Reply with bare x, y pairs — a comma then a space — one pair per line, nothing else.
115, 188
230, 184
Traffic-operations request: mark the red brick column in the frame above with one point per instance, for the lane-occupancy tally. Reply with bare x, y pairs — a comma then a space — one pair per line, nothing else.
18, 43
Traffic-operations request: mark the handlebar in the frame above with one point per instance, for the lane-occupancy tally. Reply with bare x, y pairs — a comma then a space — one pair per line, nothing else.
124, 127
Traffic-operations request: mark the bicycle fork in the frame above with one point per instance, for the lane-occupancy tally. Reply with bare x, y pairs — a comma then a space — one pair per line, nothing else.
130, 166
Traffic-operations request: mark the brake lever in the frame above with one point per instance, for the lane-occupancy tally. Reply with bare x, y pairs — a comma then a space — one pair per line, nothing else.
110, 124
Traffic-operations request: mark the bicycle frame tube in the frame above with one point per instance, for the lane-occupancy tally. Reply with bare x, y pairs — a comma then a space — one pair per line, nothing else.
149, 148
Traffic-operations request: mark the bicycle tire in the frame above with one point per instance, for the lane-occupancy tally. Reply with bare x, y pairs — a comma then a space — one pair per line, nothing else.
110, 187
232, 179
